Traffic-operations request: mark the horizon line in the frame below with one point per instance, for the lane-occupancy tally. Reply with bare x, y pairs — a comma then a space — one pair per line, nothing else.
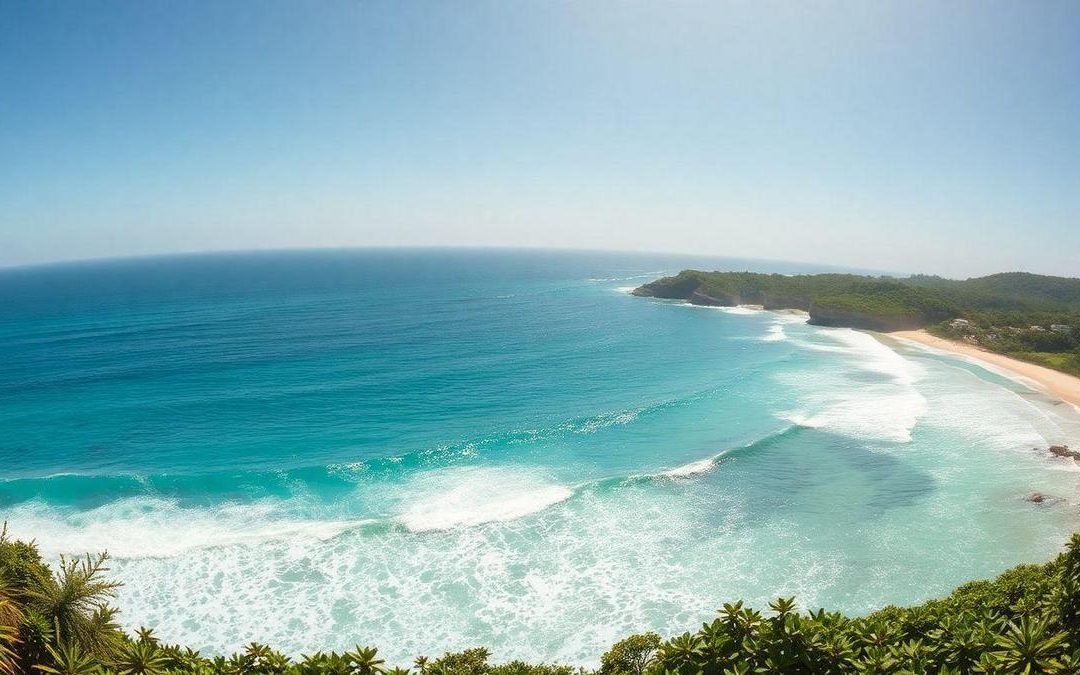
135, 257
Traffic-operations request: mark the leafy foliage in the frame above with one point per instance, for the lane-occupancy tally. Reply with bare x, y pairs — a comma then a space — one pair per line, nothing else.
1025, 621
73, 601
631, 655
11, 618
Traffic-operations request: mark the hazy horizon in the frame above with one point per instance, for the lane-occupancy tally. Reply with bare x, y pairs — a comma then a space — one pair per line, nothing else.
922, 138
689, 256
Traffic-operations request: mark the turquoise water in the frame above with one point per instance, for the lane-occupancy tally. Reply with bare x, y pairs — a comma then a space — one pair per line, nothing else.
433, 450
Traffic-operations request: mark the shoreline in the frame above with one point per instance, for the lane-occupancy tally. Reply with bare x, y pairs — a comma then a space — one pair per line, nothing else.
1061, 385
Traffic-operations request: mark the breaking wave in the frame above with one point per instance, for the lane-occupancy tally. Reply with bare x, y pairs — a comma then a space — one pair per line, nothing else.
871, 394
775, 334
466, 497
431, 500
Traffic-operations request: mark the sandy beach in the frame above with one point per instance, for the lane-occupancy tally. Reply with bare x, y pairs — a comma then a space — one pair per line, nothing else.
1064, 386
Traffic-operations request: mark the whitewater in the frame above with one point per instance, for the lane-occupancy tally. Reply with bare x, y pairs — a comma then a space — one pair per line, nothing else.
434, 450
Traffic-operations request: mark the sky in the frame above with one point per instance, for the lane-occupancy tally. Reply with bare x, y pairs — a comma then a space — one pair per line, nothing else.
907, 136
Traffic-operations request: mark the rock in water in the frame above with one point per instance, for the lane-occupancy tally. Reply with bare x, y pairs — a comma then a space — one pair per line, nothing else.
1064, 451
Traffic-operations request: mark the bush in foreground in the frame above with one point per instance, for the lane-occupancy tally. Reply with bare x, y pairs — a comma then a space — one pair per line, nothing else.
1025, 621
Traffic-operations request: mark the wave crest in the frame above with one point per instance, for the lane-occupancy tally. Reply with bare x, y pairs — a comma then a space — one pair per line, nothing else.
434, 500
152, 527
465, 497
871, 394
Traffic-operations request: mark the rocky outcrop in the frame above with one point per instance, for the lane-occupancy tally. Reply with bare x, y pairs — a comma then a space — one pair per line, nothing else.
699, 298
839, 318
1043, 499
1064, 451
679, 287
684, 287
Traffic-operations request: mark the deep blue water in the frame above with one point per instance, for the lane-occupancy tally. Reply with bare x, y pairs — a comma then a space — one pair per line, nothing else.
427, 450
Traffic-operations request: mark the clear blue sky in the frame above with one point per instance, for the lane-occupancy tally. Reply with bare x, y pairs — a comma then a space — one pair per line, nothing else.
938, 137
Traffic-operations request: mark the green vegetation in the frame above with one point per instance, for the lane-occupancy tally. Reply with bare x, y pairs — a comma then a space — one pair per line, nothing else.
1025, 621
806, 291
1054, 344
813, 293
1067, 362
1029, 316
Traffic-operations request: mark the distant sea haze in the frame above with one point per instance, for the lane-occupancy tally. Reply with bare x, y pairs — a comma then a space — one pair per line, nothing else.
433, 450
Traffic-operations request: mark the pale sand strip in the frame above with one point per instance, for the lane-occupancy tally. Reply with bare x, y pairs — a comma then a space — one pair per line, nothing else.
1064, 386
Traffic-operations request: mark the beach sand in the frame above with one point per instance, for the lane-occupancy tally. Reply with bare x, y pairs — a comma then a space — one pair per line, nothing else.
1064, 386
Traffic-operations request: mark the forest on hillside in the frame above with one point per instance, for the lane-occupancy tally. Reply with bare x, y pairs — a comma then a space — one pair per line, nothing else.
1029, 316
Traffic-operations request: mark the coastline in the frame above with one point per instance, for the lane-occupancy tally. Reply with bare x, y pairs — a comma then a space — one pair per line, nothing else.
1062, 385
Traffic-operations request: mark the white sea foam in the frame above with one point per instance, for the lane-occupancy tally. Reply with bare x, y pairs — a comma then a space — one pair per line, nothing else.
650, 275
740, 309
541, 582
791, 316
887, 417
691, 469
975, 361
844, 401
141, 527
603, 421
815, 346
775, 333
463, 497
873, 354
996, 416
985, 414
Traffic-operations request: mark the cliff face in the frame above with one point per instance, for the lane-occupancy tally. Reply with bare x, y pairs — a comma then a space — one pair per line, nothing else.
679, 287
699, 298
685, 287
827, 316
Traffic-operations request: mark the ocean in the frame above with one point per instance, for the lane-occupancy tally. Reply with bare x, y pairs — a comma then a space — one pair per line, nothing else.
429, 450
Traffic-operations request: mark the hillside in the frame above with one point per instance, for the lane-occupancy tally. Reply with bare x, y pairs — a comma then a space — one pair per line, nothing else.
1029, 316
1009, 290
877, 303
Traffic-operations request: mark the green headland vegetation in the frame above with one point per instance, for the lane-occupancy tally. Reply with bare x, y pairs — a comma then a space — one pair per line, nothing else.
1029, 316
59, 620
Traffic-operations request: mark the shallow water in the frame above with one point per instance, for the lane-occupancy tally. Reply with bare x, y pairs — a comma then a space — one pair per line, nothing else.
433, 450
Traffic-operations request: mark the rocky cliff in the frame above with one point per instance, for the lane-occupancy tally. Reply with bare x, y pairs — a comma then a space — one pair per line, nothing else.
840, 311
841, 318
